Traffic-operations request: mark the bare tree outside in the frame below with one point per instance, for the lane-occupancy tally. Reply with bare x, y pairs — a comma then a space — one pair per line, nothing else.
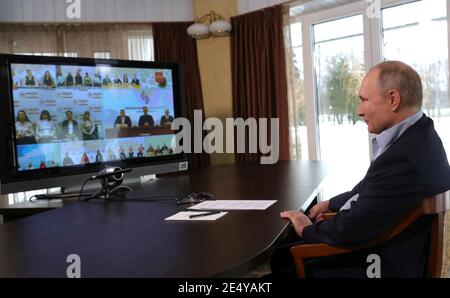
342, 82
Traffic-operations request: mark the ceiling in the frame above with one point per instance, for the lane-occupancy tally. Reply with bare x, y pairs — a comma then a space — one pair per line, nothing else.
308, 6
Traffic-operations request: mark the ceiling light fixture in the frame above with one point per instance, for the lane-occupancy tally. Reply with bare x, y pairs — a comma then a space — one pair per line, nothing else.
211, 24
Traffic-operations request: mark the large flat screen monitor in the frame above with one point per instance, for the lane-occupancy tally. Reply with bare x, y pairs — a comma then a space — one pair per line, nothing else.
70, 116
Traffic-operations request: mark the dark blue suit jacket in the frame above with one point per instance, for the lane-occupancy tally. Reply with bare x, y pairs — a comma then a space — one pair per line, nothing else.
412, 168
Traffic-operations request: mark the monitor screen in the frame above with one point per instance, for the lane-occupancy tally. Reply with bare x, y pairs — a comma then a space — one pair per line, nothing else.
84, 113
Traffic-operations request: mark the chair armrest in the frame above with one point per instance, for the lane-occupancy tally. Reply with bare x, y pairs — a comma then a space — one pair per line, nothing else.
302, 252
328, 215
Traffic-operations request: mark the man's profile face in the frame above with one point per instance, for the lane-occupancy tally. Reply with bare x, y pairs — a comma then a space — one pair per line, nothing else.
374, 107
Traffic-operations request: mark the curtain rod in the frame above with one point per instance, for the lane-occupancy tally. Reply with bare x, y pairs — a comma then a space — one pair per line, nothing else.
88, 23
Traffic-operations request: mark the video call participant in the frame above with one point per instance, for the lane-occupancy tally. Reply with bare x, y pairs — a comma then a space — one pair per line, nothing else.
117, 81
111, 155
88, 127
135, 81
97, 80
85, 159
125, 79
67, 161
69, 79
166, 119
87, 80
24, 129
70, 128
146, 120
165, 150
45, 129
106, 81
131, 152
140, 151
60, 81
48, 80
122, 121
122, 153
98, 157
16, 80
78, 78
30, 80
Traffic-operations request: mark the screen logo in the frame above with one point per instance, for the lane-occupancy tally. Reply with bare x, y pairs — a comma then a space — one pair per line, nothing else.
145, 98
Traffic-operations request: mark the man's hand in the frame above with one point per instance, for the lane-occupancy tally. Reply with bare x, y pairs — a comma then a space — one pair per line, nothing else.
317, 211
298, 219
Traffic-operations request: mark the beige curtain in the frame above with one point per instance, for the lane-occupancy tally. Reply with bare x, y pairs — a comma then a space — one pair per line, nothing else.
118, 41
24, 38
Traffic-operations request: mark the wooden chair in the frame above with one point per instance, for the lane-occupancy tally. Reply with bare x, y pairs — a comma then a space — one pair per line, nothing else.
435, 206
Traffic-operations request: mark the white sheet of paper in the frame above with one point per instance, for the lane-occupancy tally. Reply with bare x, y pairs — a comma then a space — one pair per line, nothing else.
233, 205
184, 215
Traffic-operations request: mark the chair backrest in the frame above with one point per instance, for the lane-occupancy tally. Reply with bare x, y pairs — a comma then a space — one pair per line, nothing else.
436, 207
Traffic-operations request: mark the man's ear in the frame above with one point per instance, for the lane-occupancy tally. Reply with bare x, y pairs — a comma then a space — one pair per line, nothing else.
394, 99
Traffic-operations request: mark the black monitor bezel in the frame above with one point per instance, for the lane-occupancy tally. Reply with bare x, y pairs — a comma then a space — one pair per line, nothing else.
8, 158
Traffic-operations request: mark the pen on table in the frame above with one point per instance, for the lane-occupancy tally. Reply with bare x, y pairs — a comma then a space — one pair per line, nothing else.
204, 214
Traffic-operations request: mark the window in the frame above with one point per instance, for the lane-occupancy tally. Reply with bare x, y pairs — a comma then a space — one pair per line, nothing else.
70, 54
140, 46
102, 55
37, 54
103, 41
297, 123
65, 54
338, 47
416, 33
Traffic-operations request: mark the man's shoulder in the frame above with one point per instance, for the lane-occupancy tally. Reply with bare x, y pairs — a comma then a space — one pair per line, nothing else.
411, 145
420, 136
419, 149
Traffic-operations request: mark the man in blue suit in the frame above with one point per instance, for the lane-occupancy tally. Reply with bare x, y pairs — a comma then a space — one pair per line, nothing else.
409, 164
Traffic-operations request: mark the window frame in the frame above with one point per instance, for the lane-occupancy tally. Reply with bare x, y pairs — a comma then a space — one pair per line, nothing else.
372, 32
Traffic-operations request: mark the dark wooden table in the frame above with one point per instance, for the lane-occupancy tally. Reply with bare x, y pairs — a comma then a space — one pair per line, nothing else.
131, 239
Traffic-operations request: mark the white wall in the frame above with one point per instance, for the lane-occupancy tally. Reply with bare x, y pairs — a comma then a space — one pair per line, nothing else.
245, 6
96, 10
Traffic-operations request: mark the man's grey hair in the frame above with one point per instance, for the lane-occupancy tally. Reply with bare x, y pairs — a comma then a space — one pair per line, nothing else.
396, 75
